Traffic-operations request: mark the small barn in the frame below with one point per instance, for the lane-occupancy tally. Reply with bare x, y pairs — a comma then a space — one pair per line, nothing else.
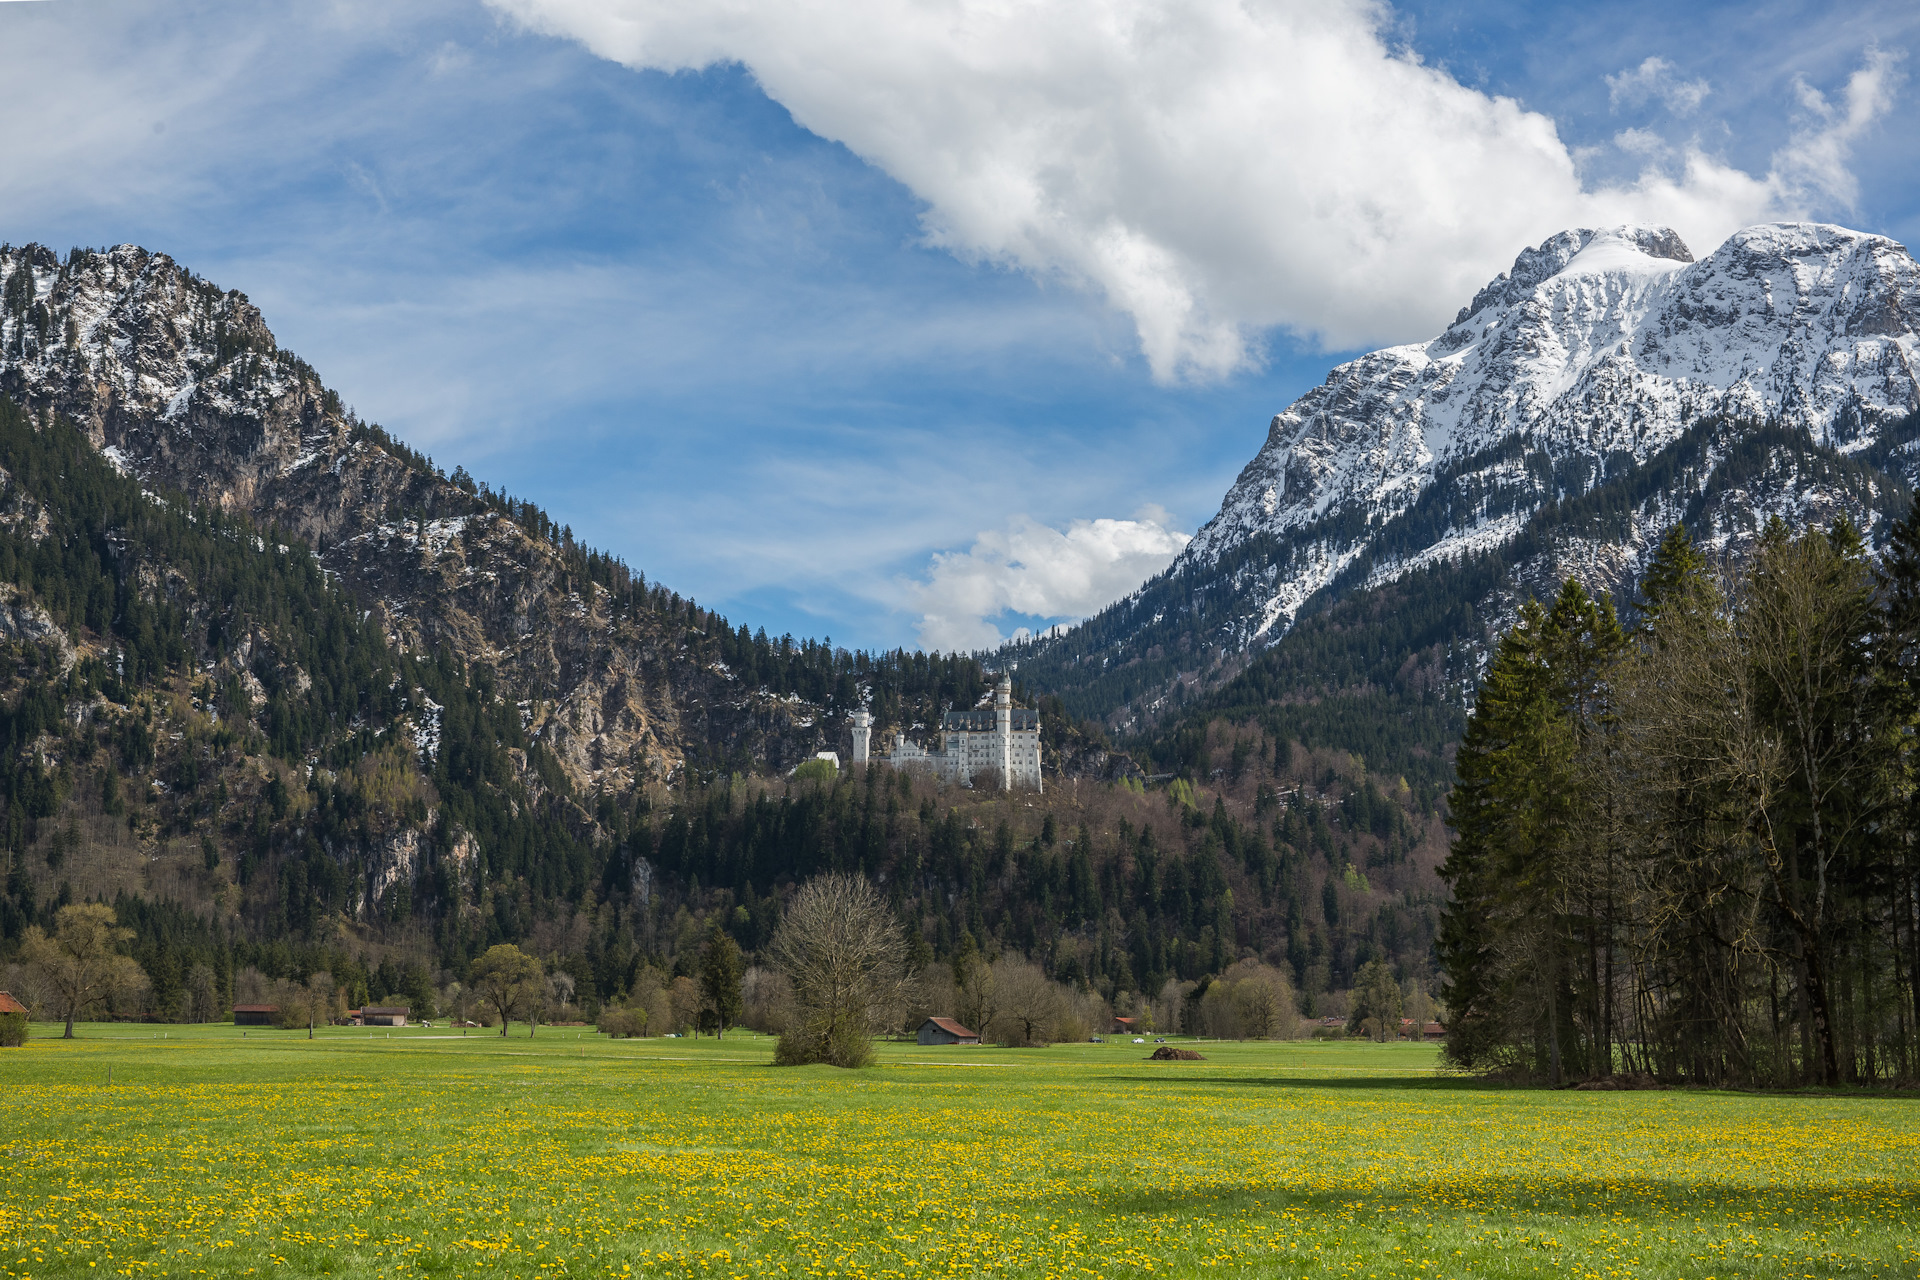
1126, 1026
385, 1015
254, 1015
945, 1031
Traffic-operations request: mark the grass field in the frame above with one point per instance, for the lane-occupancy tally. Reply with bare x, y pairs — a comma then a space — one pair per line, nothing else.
375, 1153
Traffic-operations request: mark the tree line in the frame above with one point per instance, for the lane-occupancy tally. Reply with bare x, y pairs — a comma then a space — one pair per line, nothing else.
1687, 845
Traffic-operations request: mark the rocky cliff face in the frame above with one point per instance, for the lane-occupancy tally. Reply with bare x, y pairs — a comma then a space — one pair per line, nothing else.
182, 384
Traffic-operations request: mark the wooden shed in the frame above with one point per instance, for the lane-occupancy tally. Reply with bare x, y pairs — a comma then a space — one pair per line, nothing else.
388, 1015
9, 1005
254, 1015
945, 1031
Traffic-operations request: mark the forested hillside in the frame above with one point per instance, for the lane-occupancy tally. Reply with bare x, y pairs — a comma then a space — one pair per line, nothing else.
205, 729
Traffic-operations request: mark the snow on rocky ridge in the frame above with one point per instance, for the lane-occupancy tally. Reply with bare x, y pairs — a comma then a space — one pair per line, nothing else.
1601, 345
180, 383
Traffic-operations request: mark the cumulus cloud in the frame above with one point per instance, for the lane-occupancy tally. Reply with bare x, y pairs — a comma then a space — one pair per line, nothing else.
1656, 80
1214, 168
1028, 568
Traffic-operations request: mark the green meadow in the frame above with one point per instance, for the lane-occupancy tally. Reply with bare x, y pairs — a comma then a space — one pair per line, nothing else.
215, 1152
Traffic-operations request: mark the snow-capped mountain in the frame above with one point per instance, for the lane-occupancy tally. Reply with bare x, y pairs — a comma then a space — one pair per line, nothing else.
1597, 345
1781, 373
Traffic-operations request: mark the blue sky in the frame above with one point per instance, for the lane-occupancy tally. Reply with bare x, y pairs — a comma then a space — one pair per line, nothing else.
819, 377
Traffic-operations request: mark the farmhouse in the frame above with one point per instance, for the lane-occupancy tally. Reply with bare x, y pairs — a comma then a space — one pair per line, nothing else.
945, 1031
254, 1015
1126, 1026
1004, 741
394, 1015
13, 1022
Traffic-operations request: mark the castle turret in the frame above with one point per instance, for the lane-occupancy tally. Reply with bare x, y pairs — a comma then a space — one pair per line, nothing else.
1003, 730
862, 734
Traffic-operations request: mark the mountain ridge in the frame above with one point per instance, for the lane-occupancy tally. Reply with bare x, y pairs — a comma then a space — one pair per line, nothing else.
182, 384
1595, 352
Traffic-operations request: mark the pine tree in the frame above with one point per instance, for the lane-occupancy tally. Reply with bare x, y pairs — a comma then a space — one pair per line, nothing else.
720, 972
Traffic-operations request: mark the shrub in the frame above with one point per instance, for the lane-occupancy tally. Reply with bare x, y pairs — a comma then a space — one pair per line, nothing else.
13, 1030
622, 1023
837, 1044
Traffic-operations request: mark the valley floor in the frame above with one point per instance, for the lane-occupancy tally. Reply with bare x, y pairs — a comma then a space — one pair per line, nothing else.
224, 1151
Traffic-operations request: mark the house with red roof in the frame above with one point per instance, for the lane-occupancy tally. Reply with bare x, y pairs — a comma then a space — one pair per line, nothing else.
946, 1031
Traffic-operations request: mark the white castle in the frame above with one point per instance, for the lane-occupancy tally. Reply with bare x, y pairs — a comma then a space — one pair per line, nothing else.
1005, 739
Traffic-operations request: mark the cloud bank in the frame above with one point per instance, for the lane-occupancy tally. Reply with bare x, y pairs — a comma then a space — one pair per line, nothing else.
1031, 569
1213, 168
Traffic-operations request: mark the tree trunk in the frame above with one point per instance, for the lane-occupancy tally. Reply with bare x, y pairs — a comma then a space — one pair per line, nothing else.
503, 1024
69, 1031
1553, 1029
1822, 1019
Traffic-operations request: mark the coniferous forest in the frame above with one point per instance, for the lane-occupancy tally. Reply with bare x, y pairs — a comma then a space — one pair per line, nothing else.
206, 731
1686, 844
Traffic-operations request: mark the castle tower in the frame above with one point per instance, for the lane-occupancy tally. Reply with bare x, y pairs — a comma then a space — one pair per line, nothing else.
862, 734
1003, 730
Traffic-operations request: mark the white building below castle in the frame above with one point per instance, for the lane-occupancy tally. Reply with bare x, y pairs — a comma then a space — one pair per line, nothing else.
1003, 739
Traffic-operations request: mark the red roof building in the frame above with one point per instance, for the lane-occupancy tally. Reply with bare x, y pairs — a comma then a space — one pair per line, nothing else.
945, 1031
9, 1005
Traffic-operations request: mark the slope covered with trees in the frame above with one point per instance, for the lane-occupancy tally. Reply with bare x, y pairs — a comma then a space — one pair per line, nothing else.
1688, 849
206, 730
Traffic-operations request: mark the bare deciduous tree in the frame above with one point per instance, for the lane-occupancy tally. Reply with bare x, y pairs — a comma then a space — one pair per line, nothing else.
840, 947
976, 990
1029, 1000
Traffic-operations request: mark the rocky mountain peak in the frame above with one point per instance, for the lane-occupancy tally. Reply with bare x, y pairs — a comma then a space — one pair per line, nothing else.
182, 384
1606, 248
1779, 374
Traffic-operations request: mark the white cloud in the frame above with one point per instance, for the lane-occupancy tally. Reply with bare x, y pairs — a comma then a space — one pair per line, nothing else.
1815, 159
1214, 168
1656, 80
1031, 569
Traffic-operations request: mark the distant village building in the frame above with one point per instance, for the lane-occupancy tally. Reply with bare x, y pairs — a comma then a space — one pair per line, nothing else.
945, 1031
1004, 739
385, 1015
254, 1015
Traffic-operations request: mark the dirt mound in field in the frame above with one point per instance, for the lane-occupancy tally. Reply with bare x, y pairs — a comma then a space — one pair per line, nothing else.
1167, 1053
1634, 1080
